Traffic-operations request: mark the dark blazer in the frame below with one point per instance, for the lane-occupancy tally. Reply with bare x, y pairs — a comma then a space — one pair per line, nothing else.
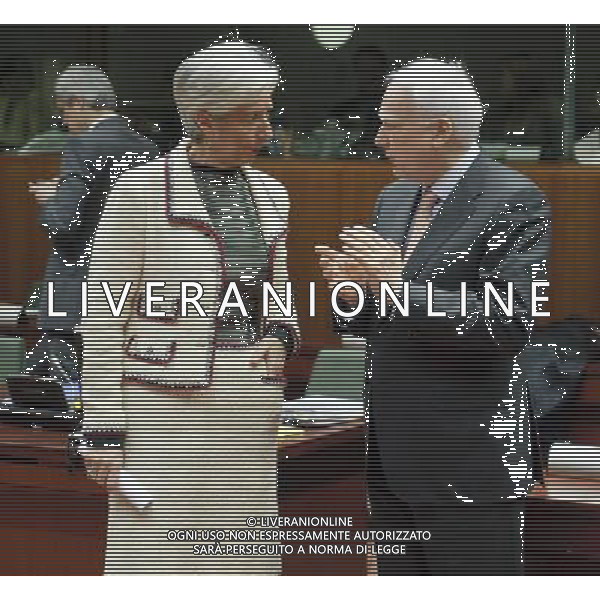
91, 163
447, 409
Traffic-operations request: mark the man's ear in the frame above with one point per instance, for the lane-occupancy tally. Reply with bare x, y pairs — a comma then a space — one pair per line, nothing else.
444, 131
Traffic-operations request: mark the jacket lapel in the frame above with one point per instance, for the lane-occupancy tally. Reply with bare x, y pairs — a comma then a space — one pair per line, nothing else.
452, 221
184, 203
270, 220
394, 210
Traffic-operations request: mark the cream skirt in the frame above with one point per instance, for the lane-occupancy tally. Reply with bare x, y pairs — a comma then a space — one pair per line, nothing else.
208, 458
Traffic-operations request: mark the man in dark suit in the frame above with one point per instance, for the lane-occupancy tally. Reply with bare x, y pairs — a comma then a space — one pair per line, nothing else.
100, 147
448, 445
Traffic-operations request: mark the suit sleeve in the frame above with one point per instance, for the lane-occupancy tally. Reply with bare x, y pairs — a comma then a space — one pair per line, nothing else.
90, 168
60, 212
361, 324
107, 170
517, 246
116, 258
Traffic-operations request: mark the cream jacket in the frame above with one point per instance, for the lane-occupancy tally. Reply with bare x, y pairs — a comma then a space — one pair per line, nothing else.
155, 227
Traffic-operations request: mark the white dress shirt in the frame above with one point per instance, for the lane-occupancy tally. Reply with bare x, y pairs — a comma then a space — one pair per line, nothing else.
100, 119
444, 186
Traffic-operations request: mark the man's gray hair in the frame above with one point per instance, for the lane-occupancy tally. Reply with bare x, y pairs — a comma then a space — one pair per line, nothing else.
442, 89
88, 83
220, 78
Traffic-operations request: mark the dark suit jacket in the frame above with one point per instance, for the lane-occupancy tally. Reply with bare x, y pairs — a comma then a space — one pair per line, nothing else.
447, 410
91, 163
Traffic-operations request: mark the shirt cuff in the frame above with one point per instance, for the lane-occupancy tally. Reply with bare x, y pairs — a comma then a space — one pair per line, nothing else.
287, 336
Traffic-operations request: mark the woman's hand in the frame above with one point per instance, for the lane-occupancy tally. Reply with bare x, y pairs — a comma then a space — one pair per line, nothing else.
271, 351
103, 465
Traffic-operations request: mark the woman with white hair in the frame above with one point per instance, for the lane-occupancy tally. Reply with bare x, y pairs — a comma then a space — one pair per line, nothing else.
192, 400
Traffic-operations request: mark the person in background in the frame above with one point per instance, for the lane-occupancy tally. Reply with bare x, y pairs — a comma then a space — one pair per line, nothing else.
192, 401
100, 146
359, 114
53, 139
